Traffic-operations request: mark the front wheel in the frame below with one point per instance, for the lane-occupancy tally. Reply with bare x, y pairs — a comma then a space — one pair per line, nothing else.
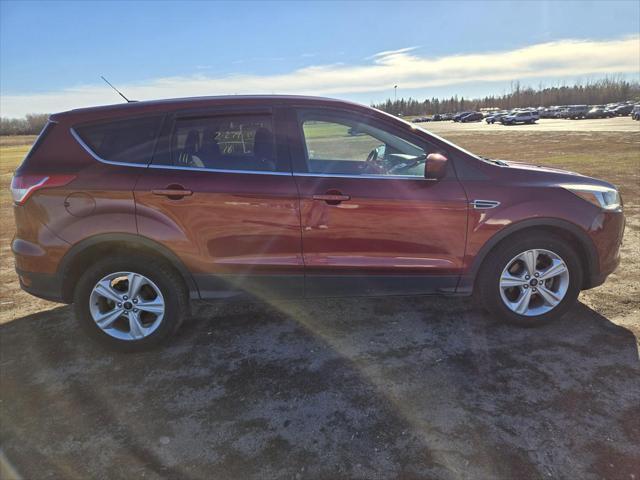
530, 280
130, 303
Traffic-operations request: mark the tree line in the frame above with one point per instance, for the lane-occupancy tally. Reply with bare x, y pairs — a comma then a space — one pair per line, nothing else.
590, 93
607, 90
31, 124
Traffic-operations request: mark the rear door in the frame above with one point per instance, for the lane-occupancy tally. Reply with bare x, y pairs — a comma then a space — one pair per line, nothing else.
220, 194
371, 223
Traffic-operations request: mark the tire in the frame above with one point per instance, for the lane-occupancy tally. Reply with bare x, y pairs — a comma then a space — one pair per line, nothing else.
493, 297
160, 289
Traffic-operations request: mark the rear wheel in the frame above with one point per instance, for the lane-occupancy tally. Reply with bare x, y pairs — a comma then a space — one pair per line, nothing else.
530, 280
130, 304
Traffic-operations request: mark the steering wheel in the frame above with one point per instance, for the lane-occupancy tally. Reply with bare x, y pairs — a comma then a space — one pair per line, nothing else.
371, 164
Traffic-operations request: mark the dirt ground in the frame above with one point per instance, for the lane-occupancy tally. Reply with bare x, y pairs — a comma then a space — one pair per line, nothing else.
400, 387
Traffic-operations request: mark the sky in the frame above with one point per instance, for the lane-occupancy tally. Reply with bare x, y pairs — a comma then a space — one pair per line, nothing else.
53, 53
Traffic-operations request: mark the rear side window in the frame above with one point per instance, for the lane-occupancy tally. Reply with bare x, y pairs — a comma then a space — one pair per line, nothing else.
43, 134
224, 142
126, 141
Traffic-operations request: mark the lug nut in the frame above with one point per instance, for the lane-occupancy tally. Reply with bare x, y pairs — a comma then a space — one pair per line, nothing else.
135, 300
125, 297
535, 289
526, 277
119, 305
537, 274
526, 286
135, 310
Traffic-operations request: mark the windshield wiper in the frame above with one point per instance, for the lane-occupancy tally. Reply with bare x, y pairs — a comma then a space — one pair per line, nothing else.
497, 162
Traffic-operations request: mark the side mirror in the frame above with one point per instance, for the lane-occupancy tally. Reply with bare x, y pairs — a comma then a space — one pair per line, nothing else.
435, 167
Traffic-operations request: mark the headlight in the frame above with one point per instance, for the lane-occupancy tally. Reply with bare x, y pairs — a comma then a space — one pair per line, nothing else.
603, 197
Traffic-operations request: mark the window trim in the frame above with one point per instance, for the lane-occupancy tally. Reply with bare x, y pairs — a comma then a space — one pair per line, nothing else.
163, 118
168, 167
219, 170
298, 110
97, 157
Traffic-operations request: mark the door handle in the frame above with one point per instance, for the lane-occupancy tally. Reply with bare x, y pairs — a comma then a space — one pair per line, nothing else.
332, 198
173, 193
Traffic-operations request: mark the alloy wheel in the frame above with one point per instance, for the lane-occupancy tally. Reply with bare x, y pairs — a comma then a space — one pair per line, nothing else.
534, 282
127, 305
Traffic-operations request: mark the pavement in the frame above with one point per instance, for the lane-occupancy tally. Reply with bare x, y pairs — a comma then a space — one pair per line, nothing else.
362, 388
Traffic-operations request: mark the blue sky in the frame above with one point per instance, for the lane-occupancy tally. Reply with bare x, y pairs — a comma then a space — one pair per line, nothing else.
52, 53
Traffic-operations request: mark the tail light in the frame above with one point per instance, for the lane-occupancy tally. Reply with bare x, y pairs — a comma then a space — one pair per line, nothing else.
23, 186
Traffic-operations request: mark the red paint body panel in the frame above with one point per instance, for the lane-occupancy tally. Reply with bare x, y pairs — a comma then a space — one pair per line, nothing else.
248, 224
408, 226
232, 224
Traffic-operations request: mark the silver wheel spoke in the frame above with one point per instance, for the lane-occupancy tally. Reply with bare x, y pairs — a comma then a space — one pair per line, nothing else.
105, 320
522, 304
529, 292
135, 282
558, 267
551, 298
154, 306
529, 258
507, 280
104, 289
113, 313
136, 329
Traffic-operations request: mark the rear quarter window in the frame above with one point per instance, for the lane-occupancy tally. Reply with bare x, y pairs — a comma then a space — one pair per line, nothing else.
124, 140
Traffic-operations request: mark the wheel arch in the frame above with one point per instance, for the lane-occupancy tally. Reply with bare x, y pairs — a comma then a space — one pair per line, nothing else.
83, 253
572, 233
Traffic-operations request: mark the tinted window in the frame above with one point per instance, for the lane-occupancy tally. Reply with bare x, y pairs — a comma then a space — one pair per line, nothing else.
341, 144
130, 140
233, 142
43, 134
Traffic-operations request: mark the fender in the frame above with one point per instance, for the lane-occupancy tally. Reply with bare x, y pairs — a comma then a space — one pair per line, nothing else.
129, 238
466, 282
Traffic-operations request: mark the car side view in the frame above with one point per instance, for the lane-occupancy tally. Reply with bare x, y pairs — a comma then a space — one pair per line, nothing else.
131, 211
518, 117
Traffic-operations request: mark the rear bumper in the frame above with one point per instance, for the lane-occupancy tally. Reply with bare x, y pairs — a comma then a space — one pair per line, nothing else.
43, 285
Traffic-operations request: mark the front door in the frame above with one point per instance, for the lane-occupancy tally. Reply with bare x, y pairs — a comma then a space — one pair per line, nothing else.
221, 196
371, 223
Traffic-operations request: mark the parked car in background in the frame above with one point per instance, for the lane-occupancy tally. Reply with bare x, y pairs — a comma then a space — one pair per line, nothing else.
599, 111
458, 116
575, 112
472, 117
130, 211
495, 117
421, 119
635, 113
519, 118
623, 110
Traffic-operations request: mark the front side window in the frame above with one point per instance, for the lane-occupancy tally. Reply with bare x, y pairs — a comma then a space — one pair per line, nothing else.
236, 142
123, 140
341, 144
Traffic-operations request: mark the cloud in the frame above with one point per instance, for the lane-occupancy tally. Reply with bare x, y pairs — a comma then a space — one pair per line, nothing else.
564, 58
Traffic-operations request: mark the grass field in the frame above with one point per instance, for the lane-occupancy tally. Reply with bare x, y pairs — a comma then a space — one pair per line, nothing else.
613, 156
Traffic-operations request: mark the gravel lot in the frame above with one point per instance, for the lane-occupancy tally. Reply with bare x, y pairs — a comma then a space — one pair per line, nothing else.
399, 387
352, 388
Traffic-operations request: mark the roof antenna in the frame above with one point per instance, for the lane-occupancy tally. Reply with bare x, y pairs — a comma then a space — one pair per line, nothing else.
117, 91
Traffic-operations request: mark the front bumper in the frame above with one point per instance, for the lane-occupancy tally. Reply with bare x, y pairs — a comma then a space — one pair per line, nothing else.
606, 233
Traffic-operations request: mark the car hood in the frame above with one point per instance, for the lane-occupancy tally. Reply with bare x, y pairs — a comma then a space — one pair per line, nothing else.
553, 174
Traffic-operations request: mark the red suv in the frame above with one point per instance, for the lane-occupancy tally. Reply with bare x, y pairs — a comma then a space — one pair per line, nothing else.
130, 211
